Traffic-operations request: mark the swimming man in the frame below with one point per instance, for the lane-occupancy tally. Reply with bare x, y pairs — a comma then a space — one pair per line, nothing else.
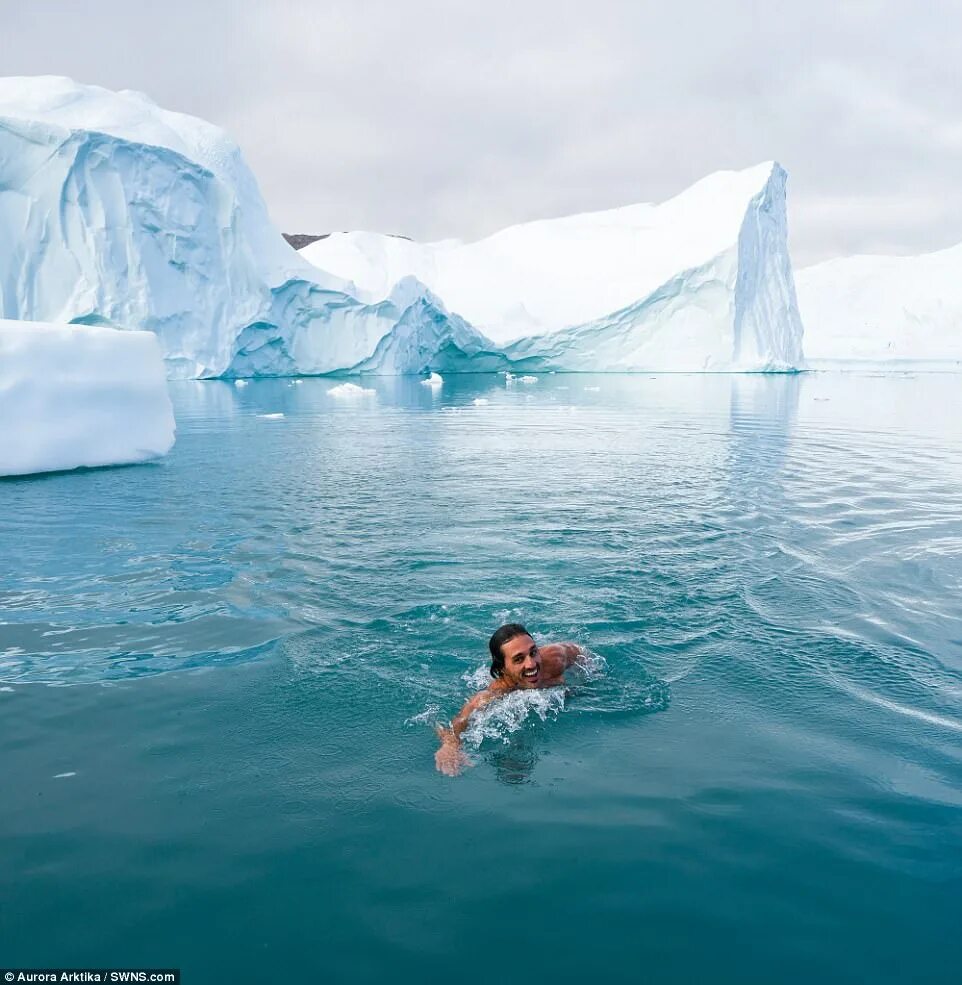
516, 662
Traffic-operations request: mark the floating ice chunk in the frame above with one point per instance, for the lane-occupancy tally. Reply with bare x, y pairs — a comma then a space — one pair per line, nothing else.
10, 689
240, 383
435, 379
480, 401
63, 776
527, 379
349, 390
76, 395
270, 417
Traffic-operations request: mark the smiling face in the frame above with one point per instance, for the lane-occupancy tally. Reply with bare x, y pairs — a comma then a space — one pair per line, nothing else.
522, 663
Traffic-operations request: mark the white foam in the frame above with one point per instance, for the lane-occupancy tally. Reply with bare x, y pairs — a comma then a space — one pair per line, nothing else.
478, 678
270, 417
63, 776
431, 716
499, 719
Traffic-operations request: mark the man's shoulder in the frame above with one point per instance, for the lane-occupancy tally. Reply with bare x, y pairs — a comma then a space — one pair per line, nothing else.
554, 650
562, 654
550, 649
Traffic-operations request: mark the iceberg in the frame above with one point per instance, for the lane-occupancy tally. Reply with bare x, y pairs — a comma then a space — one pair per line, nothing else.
73, 396
883, 311
115, 212
701, 282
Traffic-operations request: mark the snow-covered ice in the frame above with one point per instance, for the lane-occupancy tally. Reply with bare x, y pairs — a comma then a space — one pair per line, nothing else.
702, 281
883, 311
116, 212
434, 380
74, 396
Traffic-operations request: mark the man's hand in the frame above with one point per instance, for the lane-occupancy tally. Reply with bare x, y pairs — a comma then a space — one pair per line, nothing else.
450, 759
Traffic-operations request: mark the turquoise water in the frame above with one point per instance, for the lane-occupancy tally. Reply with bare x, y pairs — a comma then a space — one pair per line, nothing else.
759, 780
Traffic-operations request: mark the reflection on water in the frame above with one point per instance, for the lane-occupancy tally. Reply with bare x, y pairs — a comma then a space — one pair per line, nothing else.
514, 763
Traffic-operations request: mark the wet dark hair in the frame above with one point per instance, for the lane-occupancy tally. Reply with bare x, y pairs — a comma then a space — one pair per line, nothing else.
501, 636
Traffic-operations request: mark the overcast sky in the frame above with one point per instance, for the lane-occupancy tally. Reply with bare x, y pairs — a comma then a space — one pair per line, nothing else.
438, 119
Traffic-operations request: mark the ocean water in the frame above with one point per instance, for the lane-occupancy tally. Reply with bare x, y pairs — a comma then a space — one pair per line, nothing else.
220, 674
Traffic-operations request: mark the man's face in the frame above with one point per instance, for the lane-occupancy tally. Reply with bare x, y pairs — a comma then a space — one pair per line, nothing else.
522, 664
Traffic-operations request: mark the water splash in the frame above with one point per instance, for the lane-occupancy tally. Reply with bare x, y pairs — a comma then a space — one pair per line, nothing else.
509, 714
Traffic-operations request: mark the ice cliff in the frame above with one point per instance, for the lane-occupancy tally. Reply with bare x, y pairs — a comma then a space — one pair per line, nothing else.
701, 282
116, 212
76, 395
883, 310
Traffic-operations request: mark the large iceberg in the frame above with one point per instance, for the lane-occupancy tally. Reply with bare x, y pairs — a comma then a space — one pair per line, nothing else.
884, 311
74, 395
701, 282
116, 212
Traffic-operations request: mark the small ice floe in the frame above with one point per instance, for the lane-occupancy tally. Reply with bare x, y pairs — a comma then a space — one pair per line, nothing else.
63, 776
510, 378
240, 383
10, 689
479, 401
435, 379
270, 417
349, 390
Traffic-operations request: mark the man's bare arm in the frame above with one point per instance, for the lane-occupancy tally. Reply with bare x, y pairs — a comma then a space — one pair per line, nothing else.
450, 758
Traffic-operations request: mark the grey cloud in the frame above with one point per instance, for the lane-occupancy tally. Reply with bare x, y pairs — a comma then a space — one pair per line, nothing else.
444, 119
